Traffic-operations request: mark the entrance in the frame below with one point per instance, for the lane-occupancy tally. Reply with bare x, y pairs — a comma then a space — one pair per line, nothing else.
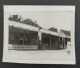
50, 42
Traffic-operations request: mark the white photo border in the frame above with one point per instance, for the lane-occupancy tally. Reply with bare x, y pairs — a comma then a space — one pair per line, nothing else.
12, 8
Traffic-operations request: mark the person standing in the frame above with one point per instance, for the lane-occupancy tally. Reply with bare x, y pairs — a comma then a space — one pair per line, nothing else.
68, 49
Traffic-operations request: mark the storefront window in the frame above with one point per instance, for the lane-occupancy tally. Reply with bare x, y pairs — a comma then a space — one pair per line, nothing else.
22, 37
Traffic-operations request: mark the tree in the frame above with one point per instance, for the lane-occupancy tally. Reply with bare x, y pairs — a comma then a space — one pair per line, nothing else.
65, 32
30, 22
53, 29
16, 18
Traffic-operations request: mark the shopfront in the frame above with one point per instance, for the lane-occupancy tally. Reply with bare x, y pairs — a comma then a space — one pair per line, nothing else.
25, 39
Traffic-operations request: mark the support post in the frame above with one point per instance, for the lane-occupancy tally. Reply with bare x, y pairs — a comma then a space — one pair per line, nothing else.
23, 36
39, 40
50, 41
63, 42
58, 42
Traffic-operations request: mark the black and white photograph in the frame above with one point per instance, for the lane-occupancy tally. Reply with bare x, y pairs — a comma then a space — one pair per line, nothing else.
39, 34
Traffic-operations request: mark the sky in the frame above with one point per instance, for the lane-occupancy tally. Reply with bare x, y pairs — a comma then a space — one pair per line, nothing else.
60, 17
47, 19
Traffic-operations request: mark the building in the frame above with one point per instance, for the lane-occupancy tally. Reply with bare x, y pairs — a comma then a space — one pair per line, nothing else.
23, 36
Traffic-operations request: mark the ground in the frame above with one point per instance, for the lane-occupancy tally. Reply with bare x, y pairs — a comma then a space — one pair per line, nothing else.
40, 54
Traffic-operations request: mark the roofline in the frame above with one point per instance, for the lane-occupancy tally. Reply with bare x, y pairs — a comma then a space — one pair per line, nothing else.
32, 28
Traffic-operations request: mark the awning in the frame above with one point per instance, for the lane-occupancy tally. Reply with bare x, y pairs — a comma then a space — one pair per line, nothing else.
32, 28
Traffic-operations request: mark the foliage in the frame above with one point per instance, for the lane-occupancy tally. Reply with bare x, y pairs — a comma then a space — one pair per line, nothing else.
65, 32
30, 22
53, 29
17, 18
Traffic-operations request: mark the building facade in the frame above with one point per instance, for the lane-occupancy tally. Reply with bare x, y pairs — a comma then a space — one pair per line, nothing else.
23, 36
